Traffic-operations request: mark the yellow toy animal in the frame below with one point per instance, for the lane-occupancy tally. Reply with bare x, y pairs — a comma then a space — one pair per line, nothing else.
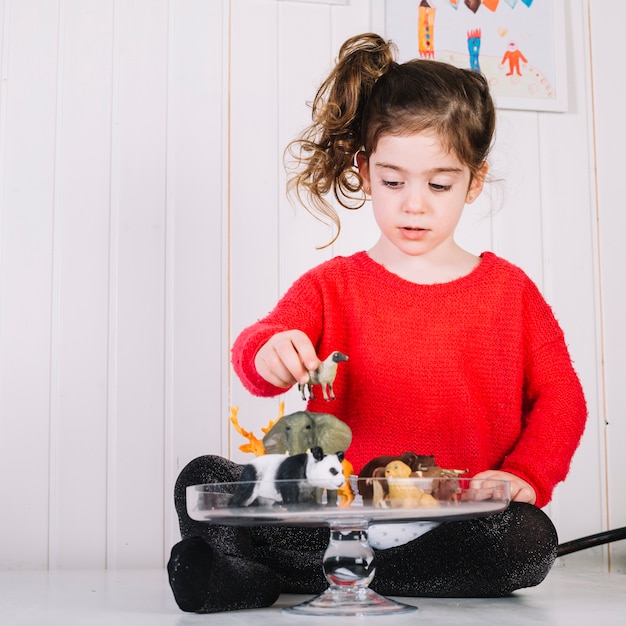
401, 492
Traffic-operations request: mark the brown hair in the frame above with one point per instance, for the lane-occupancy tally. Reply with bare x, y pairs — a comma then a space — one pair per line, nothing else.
368, 95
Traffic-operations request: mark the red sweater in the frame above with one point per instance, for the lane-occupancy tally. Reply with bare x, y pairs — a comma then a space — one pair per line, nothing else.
475, 371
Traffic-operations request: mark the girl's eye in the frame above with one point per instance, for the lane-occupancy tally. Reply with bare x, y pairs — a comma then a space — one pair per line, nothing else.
437, 187
391, 183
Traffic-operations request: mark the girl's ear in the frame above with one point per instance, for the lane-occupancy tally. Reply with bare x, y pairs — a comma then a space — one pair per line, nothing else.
363, 165
476, 186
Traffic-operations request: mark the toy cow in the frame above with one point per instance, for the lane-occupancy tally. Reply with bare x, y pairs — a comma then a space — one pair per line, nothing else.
262, 481
324, 375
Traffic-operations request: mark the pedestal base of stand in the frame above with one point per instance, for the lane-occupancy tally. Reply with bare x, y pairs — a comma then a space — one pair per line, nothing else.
350, 602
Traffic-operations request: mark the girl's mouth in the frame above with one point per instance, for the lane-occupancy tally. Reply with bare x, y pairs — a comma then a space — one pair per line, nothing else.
413, 232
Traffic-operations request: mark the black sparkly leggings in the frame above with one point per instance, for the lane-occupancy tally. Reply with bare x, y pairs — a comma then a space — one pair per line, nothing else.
217, 568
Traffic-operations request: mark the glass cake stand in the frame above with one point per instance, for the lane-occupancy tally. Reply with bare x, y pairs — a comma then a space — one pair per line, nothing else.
348, 562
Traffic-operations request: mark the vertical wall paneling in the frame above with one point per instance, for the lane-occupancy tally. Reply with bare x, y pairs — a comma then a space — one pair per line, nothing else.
114, 272
305, 30
566, 155
253, 188
137, 432
4, 63
80, 292
610, 136
194, 266
26, 281
516, 200
225, 317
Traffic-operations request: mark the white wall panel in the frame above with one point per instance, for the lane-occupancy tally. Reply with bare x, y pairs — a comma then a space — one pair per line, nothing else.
566, 157
304, 28
517, 215
136, 417
196, 280
78, 424
253, 188
606, 18
28, 171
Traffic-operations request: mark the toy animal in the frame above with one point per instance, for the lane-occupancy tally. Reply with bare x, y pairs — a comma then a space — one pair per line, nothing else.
447, 491
254, 444
303, 430
444, 487
421, 466
298, 432
376, 467
324, 375
262, 480
402, 492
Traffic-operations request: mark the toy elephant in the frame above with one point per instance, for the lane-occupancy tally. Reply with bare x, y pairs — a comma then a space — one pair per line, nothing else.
298, 432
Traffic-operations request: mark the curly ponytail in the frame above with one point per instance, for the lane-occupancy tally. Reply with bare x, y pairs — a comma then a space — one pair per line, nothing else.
324, 154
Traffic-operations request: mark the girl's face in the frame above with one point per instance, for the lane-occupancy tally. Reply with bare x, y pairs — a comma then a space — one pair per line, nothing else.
418, 192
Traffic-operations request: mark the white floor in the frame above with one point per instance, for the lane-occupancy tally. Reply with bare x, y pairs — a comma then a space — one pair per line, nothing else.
138, 598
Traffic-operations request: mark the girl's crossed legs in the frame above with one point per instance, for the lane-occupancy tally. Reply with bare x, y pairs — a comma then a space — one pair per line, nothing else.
218, 568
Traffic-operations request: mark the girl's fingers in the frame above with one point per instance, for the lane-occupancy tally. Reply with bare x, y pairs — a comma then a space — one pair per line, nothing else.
485, 489
305, 349
289, 350
286, 358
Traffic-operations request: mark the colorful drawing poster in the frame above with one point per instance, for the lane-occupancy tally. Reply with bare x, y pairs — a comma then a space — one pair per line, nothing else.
517, 44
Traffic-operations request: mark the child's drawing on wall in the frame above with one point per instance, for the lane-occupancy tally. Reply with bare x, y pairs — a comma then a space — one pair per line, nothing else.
513, 56
473, 45
426, 30
511, 42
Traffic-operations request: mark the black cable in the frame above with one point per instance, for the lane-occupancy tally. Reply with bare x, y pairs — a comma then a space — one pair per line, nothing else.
591, 541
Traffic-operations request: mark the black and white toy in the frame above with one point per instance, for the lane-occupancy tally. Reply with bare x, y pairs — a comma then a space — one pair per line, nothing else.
280, 478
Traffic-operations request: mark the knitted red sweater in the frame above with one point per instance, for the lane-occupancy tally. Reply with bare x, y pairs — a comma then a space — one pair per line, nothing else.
474, 371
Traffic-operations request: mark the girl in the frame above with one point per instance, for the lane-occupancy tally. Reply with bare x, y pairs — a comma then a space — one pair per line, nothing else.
450, 354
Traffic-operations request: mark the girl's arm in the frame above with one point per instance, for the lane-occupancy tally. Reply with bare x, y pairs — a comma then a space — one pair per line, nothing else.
554, 411
554, 422
275, 353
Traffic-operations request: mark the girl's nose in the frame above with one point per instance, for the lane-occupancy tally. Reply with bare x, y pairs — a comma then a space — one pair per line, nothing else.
414, 202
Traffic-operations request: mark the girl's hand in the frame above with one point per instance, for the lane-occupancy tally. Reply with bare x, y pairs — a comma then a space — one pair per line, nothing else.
521, 491
286, 358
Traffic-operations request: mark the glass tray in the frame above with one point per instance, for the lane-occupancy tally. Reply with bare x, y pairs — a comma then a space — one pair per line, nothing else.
348, 562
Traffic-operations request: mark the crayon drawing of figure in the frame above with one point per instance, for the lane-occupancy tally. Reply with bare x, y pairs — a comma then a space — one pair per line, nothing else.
513, 56
473, 45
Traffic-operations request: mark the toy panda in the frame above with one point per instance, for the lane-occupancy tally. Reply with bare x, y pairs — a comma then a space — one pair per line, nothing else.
262, 481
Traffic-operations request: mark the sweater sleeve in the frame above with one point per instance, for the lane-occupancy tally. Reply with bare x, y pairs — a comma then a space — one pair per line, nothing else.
555, 410
301, 308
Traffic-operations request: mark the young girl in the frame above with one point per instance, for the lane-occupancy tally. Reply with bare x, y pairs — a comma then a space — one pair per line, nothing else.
450, 354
